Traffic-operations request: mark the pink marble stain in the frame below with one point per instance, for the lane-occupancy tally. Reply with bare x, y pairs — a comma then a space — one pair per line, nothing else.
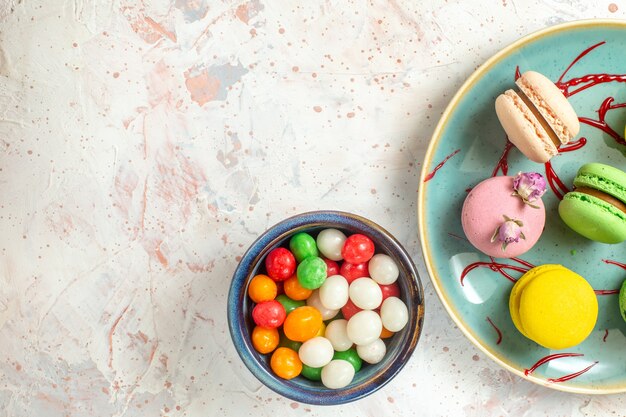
147, 27
248, 10
202, 86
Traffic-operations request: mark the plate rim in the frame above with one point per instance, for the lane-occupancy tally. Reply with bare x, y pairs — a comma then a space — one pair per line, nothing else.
430, 151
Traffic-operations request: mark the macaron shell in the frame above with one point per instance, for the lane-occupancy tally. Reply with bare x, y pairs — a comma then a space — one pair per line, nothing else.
523, 129
551, 103
483, 212
558, 308
593, 218
516, 295
622, 300
604, 178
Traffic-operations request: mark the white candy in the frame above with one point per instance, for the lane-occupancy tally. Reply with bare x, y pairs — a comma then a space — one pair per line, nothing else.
383, 269
337, 333
373, 352
364, 327
330, 242
337, 374
314, 301
334, 292
365, 293
394, 314
316, 352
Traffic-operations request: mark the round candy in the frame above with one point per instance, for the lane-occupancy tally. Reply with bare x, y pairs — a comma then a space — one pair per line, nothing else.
353, 271
303, 246
302, 324
337, 374
316, 352
383, 269
394, 314
358, 248
334, 292
364, 327
288, 304
312, 272
312, 374
332, 267
285, 363
280, 264
288, 343
349, 310
330, 242
262, 288
269, 314
351, 356
391, 290
264, 340
366, 293
321, 331
337, 334
372, 353
314, 301
294, 290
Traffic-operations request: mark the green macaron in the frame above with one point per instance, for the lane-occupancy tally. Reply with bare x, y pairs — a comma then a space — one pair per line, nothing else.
622, 300
593, 208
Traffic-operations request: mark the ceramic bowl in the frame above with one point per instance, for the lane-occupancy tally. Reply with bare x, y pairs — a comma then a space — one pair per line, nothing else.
371, 377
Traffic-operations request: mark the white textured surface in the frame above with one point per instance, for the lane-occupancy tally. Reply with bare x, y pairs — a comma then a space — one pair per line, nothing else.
144, 145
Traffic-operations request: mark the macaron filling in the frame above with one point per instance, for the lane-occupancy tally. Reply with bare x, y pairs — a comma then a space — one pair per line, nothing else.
603, 196
542, 120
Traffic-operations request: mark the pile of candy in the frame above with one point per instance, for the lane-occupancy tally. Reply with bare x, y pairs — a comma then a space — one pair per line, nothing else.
325, 306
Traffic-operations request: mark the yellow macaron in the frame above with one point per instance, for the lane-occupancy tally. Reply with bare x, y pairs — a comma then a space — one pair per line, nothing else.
553, 306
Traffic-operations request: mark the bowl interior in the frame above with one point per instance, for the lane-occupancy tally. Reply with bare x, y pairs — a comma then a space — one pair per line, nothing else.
370, 377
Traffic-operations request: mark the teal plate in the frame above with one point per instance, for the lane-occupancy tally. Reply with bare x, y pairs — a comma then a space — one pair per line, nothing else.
587, 59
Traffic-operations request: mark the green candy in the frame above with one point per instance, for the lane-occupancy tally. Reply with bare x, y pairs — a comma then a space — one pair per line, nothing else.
288, 304
313, 374
312, 273
288, 343
303, 246
622, 300
351, 356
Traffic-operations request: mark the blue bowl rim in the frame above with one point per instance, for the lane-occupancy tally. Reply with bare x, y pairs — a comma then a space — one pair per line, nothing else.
237, 324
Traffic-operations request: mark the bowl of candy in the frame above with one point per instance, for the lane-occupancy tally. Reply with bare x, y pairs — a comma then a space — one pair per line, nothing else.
325, 307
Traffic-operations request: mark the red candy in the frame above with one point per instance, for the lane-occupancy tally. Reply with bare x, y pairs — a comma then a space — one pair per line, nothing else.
391, 290
280, 264
349, 310
353, 271
269, 314
357, 249
332, 268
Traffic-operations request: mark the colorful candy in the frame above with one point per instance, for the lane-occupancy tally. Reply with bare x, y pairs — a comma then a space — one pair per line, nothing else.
269, 314
312, 272
280, 264
316, 352
302, 290
303, 246
302, 324
262, 288
358, 248
265, 340
330, 243
334, 292
285, 363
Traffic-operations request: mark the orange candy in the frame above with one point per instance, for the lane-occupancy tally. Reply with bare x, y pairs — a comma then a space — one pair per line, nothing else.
262, 288
321, 331
302, 324
285, 363
385, 334
265, 340
294, 290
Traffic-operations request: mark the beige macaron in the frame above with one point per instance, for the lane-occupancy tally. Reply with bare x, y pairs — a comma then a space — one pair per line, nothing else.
538, 118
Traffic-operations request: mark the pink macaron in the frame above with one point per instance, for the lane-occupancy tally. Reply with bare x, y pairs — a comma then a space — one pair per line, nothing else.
537, 117
504, 217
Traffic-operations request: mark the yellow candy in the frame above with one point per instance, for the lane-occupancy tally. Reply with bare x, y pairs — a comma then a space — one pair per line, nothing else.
553, 306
